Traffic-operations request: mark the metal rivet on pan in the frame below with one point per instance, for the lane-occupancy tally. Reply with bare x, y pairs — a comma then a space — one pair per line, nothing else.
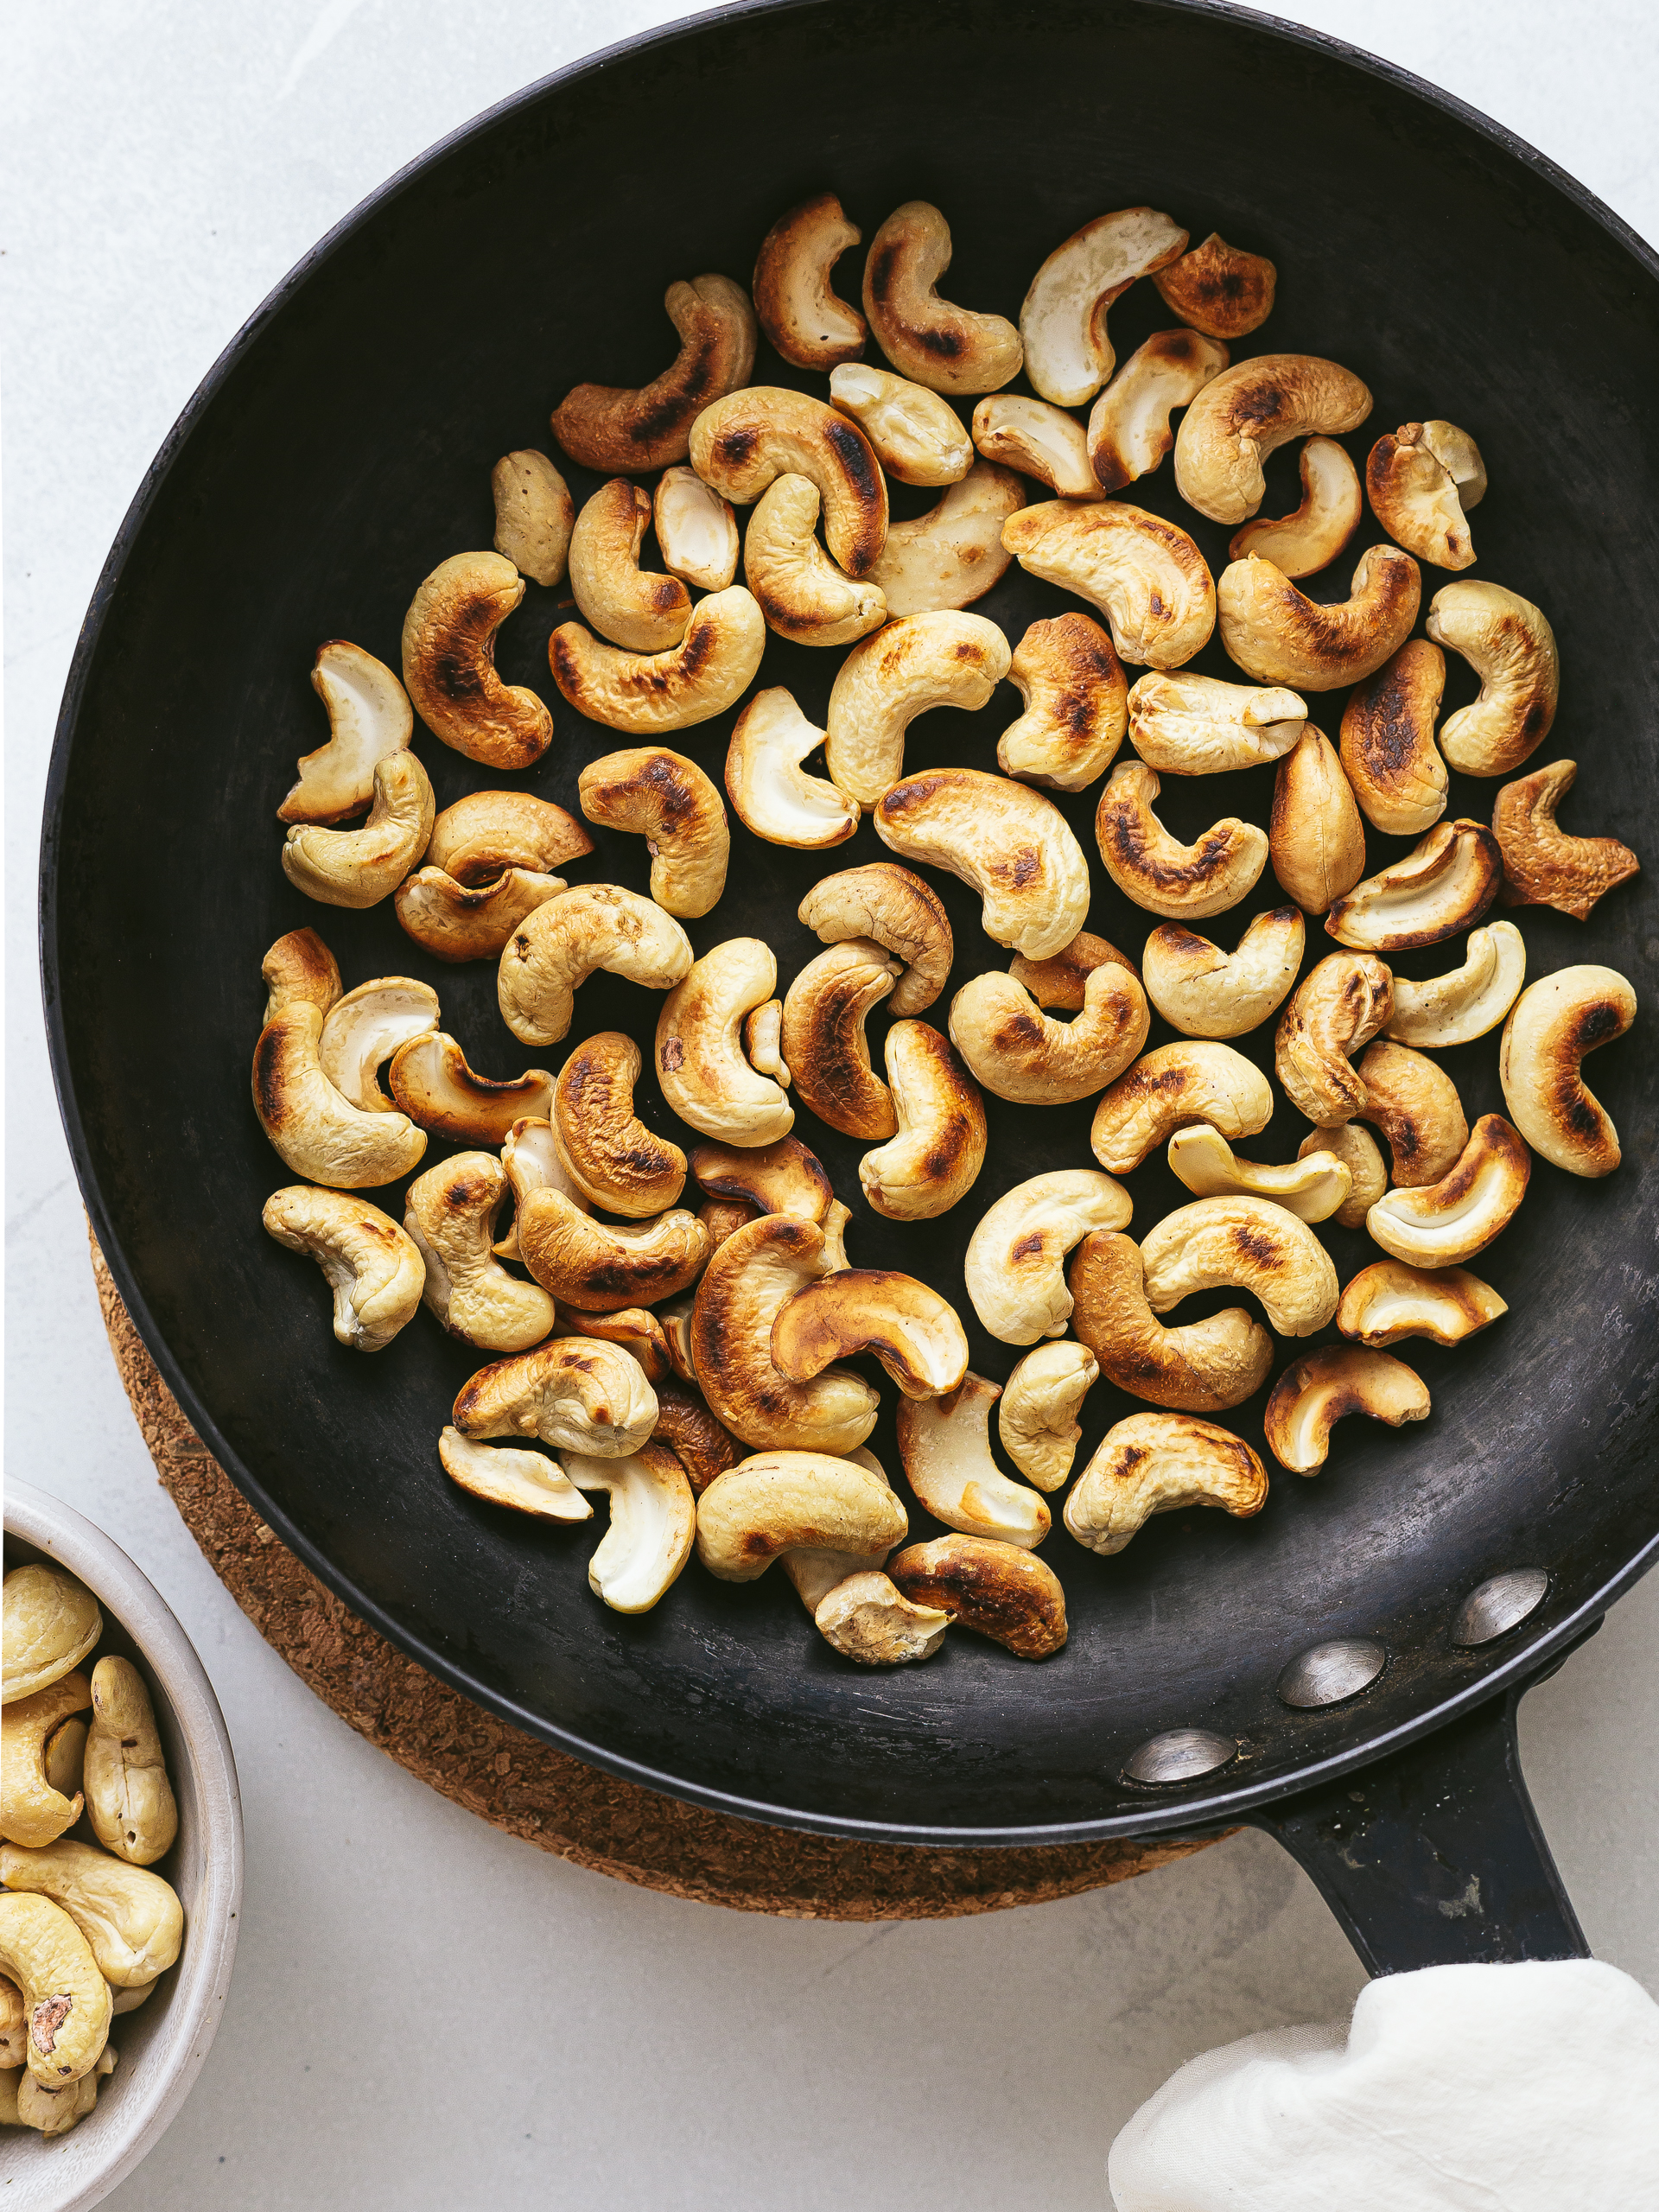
1180, 1755
1499, 1605
1329, 1671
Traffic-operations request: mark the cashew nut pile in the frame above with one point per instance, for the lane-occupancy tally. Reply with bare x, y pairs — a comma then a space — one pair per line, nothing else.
86, 1810
665, 1298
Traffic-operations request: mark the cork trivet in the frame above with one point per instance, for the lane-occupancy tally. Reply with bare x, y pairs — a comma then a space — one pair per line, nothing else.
516, 1783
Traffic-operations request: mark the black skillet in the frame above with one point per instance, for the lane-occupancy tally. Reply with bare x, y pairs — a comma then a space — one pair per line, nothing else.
342, 447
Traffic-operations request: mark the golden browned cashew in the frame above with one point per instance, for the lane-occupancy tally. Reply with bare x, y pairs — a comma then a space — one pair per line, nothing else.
948, 348
376, 1273
431, 1081
129, 1798
1145, 574
803, 594
1204, 992
450, 1214
1278, 635
1512, 648
317, 1130
996, 1590
1415, 1104
795, 300
299, 970
1423, 479
1315, 1391
577, 1393
1456, 1007
1129, 430
634, 1327
940, 1147
781, 1178
359, 868
918, 436
1249, 411
1063, 320
367, 1027
696, 530
1076, 705
65, 1996
749, 1279
1356, 1150
654, 1525
449, 663
484, 835
1036, 1420
31, 1811
1036, 440
601, 1267
1219, 289
742, 443
1021, 1054
559, 944
51, 1622
646, 694
939, 659
534, 514
1015, 1266
1165, 1090
703, 1446
1445, 884
1161, 1463
910, 1329
706, 1077
524, 1482
1544, 867
615, 431
945, 1444
1013, 845
131, 1918
1447, 1223
1183, 882
369, 720
530, 1157
1310, 538
607, 1151
1062, 981
953, 554
623, 602
1315, 832
1387, 741
667, 800
1311, 1187
1389, 1300
1245, 1243
455, 923
1198, 726
824, 1040
864, 1618
722, 1218
783, 1500
886, 902
1339, 1006
1553, 1024
766, 785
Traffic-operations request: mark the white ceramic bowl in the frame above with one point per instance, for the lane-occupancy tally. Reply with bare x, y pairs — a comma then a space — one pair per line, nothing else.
163, 2044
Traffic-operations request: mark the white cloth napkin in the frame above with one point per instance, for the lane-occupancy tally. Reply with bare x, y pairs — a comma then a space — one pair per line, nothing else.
1470, 2089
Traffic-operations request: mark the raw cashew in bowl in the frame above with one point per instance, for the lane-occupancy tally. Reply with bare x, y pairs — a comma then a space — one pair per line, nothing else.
1278, 635
1010, 843
32, 1811
1063, 320
576, 1393
1553, 1024
1182, 882
1161, 1463
1170, 1087
1015, 1267
450, 1213
1544, 867
1198, 726
1202, 1367
707, 1078
131, 1918
1021, 1054
949, 349
624, 602
369, 719
771, 792
534, 514
745, 441
1248, 412
1387, 741
1423, 479
50, 1624
952, 555
1315, 1391
1204, 992
1246, 1243
129, 1798
359, 868
888, 903
1510, 646
1036, 1417
375, 1272
795, 300
1219, 289
65, 1996
449, 671
649, 694
935, 1157
1309, 539
1076, 702
1036, 440
1129, 430
559, 945
609, 1155
945, 1445
803, 594
667, 800
941, 659
616, 431
918, 436
1145, 574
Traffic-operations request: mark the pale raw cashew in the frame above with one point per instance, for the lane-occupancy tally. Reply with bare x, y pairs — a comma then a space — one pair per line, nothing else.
1310, 538
1445, 884
948, 348
824, 1038
1145, 574
1198, 726
1204, 1367
918, 436
704, 1447
997, 1590
696, 530
795, 301
577, 1393
1219, 289
1182, 882
615, 431
886, 902
1312, 1187
866, 1617
50, 1624
766, 783
1315, 1391
1389, 1300
607, 1151
1447, 1223
1062, 321
1062, 979
1456, 1007
945, 1444
1278, 635
431, 1081
1076, 705
65, 1996
1245, 1243
653, 1524
450, 1213
1129, 430
623, 602
911, 1331
782, 1500
1015, 1266
942, 659
129, 1798
1248, 412
781, 1178
1337, 1007
743, 442
636, 1329
530, 1157
803, 594
1542, 866
749, 1279
131, 1918
1204, 992
534, 514
1415, 1104
601, 1268
315, 1128
31, 1811
1037, 1418
54, 2111
1512, 648
1161, 1463
369, 719
706, 1079
1168, 1089
667, 800
953, 554
376, 1272
1553, 1024
1010, 843
14, 2039
1356, 1150
369, 1025
455, 923
66, 1749
448, 651
1315, 832
359, 868
648, 694
487, 833
1387, 741
1036, 440
1021, 1054
559, 945
501, 1474
1422, 480
940, 1148
126, 2000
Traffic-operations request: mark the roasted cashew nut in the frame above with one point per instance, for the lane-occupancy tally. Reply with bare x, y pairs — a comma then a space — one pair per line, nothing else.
1165, 1090
1019, 1053
1129, 430
899, 912
375, 1272
997, 1590
369, 720
607, 1151
945, 1444
1387, 741
1015, 1262
1063, 320
451, 1214
1036, 1417
1198, 726
649, 694
523, 1482
534, 514
948, 348
1248, 412
918, 437
624, 602
1456, 1007
1204, 992
1356, 1150
653, 1524
1010, 843
781, 1178
317, 1130
1161, 1463
667, 800
1278, 635
1544, 867
576, 1393
706, 1076
1444, 1223
1034, 439
448, 652
1415, 1104
1182, 882
939, 1148
1553, 1024
1510, 646
488, 833
1315, 1391
1302, 543
455, 923
430, 1080
1445, 884
600, 1267
824, 1040
1312, 1187
912, 1331
1203, 1367
696, 530
1389, 1300
952, 555
781, 1500
803, 594
1423, 479
1340, 1005
745, 441
562, 943
1314, 833
1246, 1243
1219, 289
937, 659
795, 301
1076, 705
615, 431
767, 785
1145, 574
359, 868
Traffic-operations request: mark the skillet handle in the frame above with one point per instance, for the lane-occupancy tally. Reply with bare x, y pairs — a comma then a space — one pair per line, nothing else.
1434, 1856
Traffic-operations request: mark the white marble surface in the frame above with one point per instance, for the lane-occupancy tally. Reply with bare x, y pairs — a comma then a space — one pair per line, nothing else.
164, 165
